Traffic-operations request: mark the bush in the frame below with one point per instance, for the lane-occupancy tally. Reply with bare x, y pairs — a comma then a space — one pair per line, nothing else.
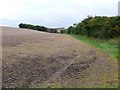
99, 27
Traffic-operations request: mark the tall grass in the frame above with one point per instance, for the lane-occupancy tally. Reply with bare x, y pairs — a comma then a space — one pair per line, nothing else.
107, 46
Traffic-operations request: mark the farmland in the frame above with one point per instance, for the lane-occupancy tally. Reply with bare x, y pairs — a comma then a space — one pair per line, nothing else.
40, 59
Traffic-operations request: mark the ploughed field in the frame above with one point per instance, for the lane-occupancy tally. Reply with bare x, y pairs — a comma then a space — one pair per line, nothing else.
39, 59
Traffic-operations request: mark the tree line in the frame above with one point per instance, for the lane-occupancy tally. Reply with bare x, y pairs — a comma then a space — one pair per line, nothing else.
99, 27
37, 27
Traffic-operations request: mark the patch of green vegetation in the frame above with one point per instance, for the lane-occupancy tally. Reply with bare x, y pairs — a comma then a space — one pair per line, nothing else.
56, 86
52, 85
106, 86
108, 46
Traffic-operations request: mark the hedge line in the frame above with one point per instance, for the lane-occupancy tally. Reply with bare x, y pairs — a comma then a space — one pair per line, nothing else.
29, 26
99, 27
37, 27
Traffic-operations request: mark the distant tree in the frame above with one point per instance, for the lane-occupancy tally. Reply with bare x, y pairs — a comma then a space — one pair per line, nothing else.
21, 25
61, 31
29, 26
70, 30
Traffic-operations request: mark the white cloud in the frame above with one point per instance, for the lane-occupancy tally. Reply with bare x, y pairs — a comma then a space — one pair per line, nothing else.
53, 13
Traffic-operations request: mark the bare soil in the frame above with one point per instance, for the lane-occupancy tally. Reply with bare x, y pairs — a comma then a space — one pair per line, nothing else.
36, 59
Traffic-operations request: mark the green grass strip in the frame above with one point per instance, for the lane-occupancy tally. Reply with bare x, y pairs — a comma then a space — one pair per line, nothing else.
107, 46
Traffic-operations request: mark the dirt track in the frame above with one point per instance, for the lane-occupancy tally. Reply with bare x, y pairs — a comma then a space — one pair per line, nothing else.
36, 59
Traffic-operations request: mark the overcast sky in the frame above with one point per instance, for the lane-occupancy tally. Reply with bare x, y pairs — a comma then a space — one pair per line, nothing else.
53, 13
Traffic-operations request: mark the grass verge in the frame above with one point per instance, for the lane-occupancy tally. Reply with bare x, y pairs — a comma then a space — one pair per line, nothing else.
108, 46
